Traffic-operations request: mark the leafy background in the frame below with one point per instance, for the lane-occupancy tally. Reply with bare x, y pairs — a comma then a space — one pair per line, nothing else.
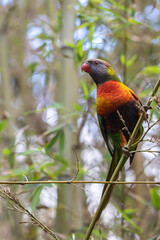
48, 115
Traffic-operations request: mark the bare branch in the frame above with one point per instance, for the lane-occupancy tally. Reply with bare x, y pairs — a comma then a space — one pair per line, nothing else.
149, 128
77, 160
69, 182
14, 201
124, 123
143, 136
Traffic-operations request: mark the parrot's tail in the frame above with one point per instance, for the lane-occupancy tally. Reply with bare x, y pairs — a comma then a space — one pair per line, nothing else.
115, 159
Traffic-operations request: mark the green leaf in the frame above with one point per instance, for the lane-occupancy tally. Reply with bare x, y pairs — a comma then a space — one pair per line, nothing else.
29, 152
119, 6
32, 67
15, 173
77, 107
57, 105
150, 70
129, 211
156, 113
95, 1
79, 48
45, 36
85, 89
36, 197
79, 51
155, 198
61, 159
56, 128
18, 172
6, 151
123, 59
131, 60
126, 62
91, 31
145, 93
69, 44
86, 24
60, 170
132, 21
2, 124
131, 222
47, 165
133, 11
70, 115
64, 164
41, 47
116, 15
50, 144
80, 42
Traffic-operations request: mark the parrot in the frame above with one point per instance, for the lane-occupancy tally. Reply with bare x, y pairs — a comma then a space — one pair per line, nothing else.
118, 110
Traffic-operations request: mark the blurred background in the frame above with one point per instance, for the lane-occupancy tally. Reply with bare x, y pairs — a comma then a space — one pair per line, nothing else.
48, 116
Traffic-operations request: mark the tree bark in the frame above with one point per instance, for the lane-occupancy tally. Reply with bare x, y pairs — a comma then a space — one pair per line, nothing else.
70, 218
6, 90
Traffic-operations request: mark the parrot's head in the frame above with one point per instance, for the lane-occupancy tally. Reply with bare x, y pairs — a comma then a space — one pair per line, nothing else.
99, 70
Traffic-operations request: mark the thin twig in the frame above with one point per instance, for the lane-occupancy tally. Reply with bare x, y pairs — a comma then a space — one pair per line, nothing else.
142, 138
142, 170
73, 182
77, 161
14, 201
149, 128
124, 123
146, 150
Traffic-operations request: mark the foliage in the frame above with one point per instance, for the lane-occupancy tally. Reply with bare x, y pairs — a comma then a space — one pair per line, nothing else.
34, 123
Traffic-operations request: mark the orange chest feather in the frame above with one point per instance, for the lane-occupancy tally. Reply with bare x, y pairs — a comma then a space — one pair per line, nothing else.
111, 95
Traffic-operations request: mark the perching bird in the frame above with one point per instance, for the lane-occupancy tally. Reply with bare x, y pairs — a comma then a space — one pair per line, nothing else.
118, 110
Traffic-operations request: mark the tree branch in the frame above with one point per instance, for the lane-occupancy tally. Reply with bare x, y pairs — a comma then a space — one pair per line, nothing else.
73, 182
14, 201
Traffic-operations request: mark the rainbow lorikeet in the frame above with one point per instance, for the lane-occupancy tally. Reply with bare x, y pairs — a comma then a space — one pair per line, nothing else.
118, 110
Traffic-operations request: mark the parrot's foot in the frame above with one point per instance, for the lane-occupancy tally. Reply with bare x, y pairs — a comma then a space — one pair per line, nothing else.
146, 108
126, 152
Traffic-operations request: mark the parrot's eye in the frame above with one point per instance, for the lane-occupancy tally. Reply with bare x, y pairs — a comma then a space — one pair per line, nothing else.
95, 62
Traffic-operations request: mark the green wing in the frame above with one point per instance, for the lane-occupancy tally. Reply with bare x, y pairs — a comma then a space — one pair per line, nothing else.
105, 134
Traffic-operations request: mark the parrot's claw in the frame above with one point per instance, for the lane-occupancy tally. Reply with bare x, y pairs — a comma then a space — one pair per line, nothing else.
146, 108
125, 150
